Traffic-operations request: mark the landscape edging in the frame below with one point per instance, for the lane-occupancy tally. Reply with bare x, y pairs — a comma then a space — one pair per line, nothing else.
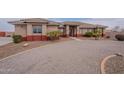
103, 63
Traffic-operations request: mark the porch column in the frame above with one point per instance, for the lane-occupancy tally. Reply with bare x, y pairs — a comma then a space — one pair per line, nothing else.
67, 30
29, 36
44, 32
102, 32
78, 31
29, 29
44, 29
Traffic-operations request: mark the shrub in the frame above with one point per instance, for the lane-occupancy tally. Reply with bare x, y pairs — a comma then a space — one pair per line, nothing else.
54, 35
88, 34
96, 35
17, 38
120, 37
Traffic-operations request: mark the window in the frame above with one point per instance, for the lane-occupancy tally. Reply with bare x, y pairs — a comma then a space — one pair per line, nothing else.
37, 29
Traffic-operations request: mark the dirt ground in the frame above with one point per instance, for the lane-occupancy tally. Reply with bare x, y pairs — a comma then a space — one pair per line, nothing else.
12, 48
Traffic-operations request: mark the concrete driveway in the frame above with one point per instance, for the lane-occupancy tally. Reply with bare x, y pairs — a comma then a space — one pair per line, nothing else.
73, 57
5, 40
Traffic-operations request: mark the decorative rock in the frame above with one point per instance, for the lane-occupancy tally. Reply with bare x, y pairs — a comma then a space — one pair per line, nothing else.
25, 45
118, 54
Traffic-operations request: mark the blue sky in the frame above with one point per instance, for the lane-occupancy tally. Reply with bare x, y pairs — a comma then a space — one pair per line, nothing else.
111, 22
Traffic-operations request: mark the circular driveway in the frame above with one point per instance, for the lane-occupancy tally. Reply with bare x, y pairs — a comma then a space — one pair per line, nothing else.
70, 57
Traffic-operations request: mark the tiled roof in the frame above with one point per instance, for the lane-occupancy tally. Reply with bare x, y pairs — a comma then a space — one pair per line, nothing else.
83, 25
29, 20
86, 25
42, 20
53, 23
34, 20
71, 23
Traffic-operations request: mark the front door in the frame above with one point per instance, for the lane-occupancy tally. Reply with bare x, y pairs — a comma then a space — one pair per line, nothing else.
72, 31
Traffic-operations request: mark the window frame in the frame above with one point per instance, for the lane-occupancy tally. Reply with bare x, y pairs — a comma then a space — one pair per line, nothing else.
37, 29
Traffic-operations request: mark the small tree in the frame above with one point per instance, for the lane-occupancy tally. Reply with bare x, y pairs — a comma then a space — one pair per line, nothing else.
97, 33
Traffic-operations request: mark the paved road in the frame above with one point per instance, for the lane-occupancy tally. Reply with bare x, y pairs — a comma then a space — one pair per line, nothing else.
65, 57
5, 40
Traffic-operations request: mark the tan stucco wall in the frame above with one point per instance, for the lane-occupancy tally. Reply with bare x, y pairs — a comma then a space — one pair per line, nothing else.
44, 29
67, 30
28, 29
52, 28
20, 30
78, 30
83, 31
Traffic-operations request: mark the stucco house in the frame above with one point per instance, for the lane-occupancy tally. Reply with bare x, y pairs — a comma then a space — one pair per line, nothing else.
36, 28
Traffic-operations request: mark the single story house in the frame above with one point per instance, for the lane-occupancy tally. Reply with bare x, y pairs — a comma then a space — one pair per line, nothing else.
36, 28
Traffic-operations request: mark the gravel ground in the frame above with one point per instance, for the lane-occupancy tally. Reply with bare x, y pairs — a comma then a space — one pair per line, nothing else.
114, 65
73, 57
12, 48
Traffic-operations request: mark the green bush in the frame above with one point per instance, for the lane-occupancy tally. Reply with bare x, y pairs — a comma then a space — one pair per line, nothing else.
88, 34
17, 38
54, 35
119, 37
97, 33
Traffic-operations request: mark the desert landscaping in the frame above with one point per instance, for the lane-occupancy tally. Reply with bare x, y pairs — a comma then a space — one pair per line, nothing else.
69, 57
41, 46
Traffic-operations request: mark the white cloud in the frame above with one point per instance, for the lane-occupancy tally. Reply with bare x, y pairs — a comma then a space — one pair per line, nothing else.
5, 26
111, 22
